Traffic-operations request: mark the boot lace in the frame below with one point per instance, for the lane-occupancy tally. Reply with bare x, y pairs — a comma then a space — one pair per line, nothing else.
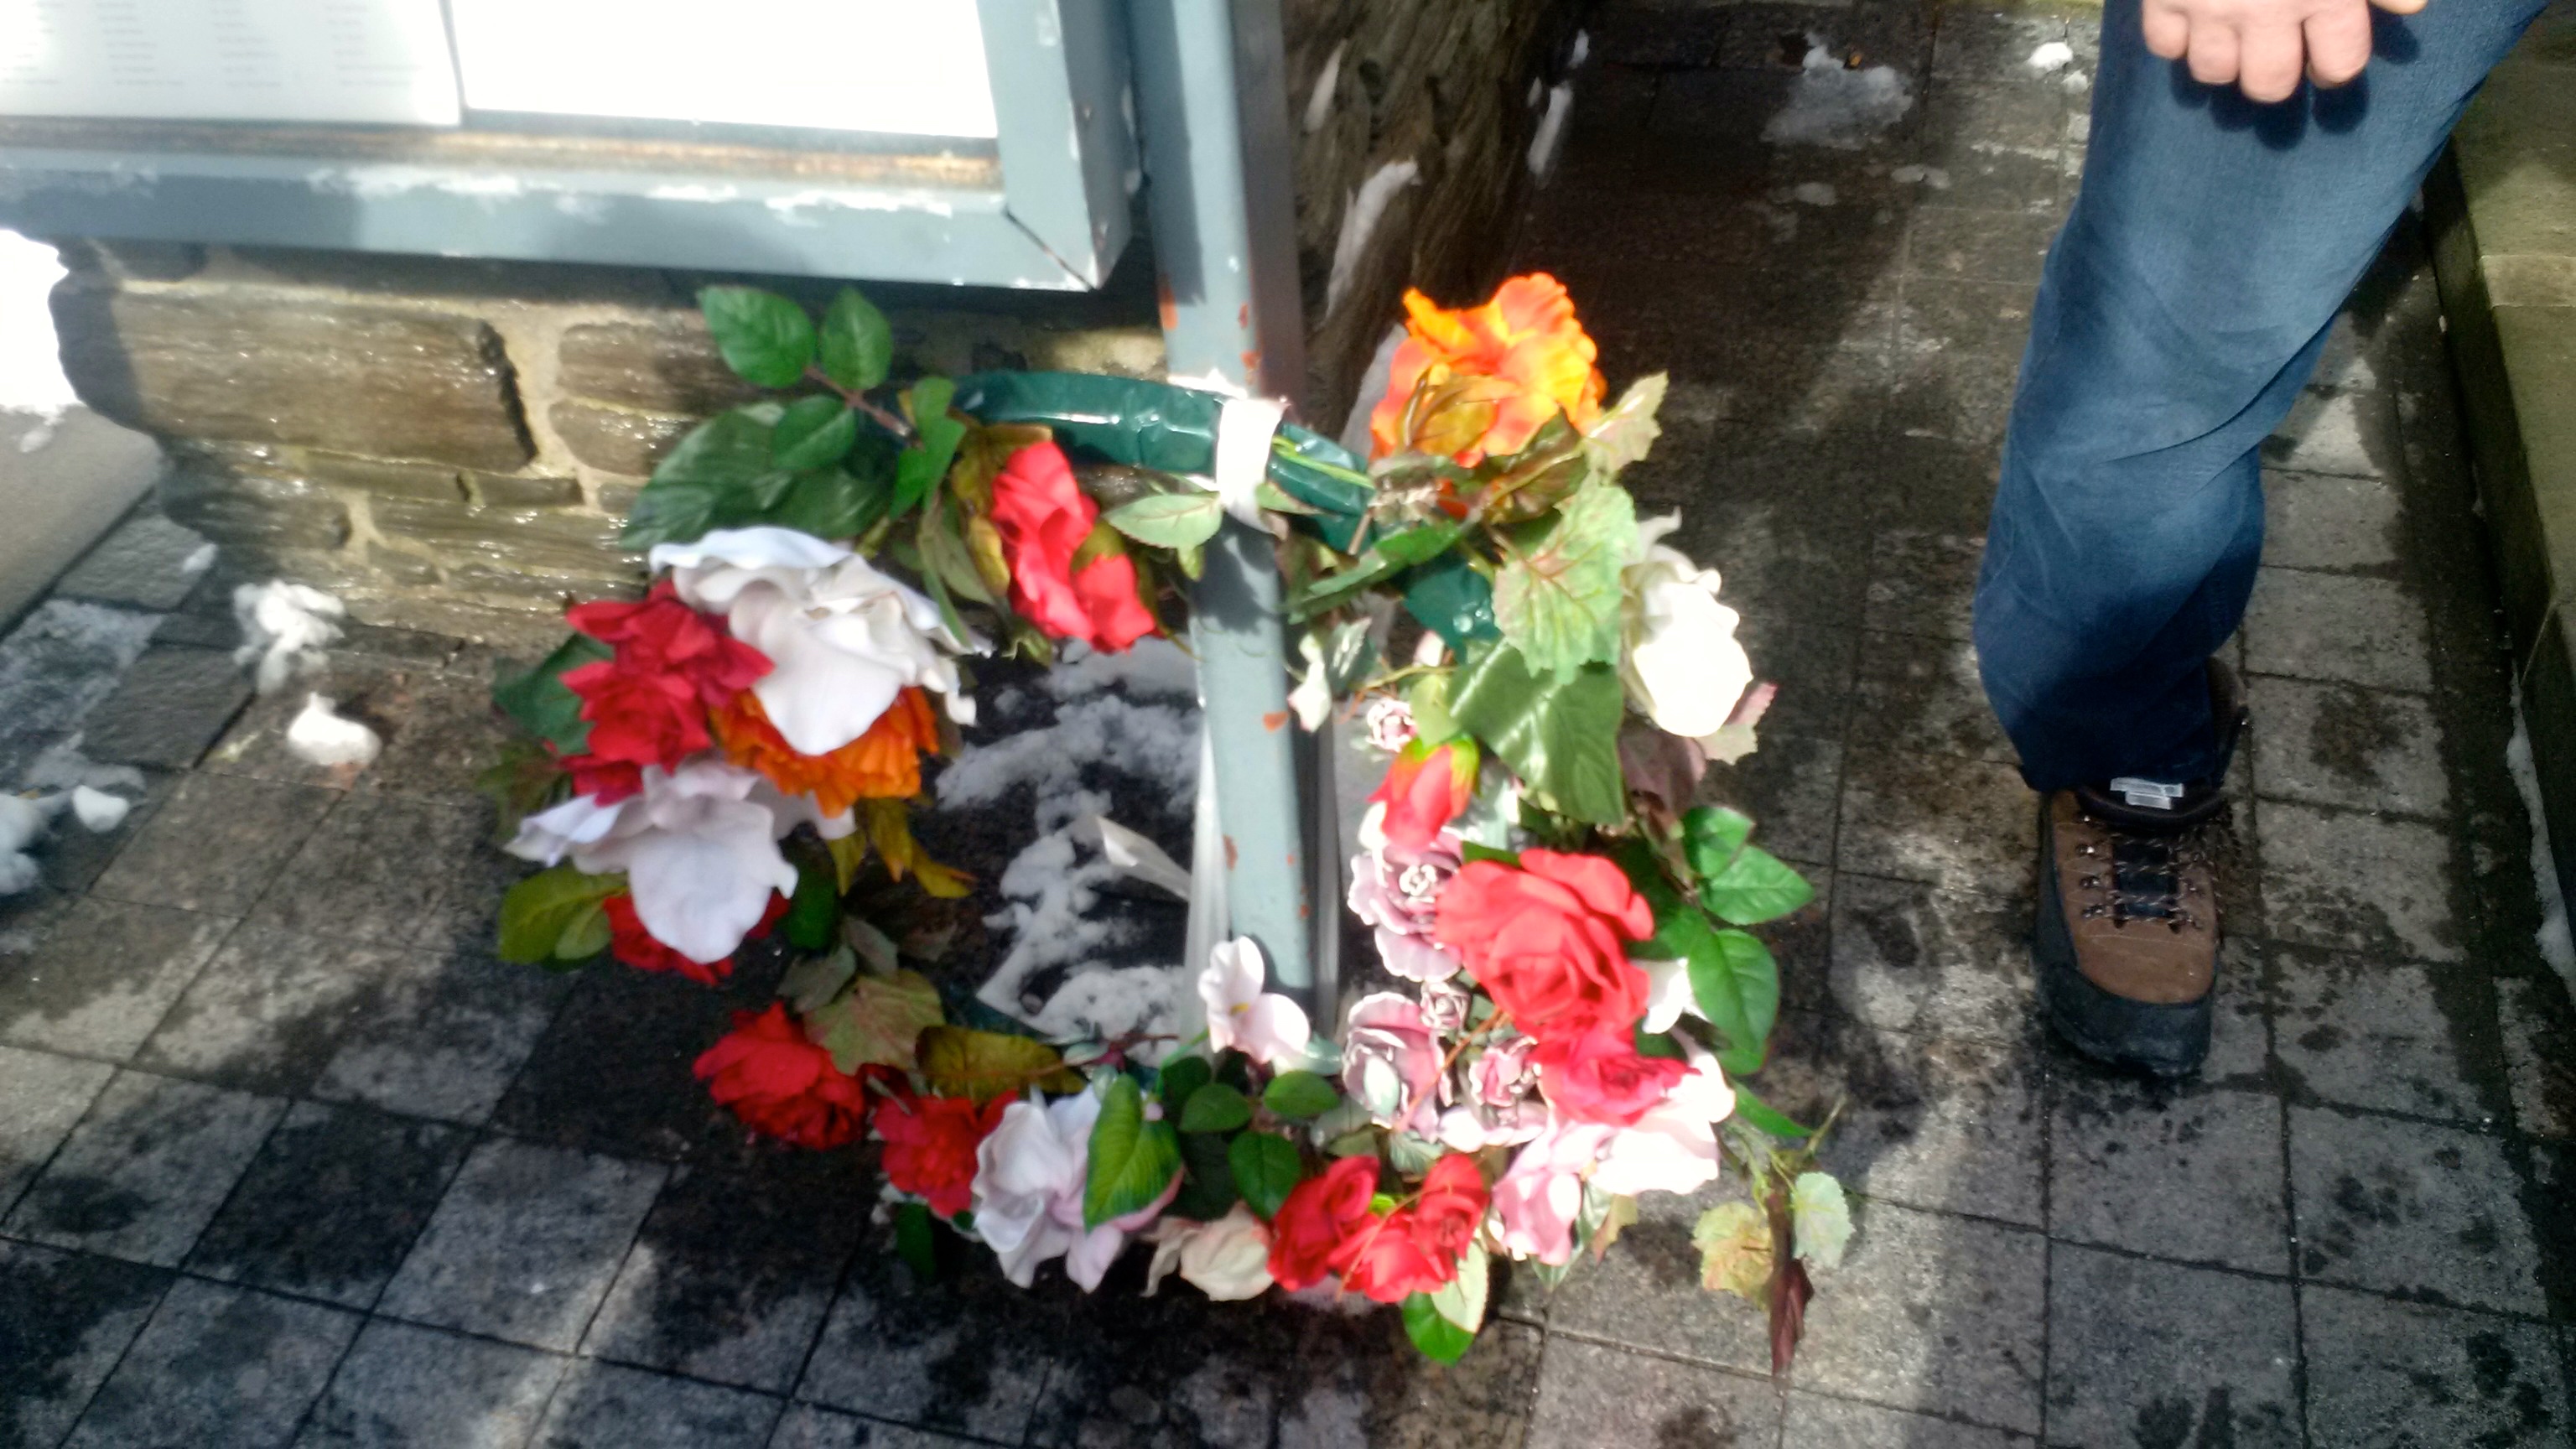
2148, 879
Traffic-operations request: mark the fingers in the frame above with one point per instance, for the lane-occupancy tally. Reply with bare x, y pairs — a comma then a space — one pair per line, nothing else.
2213, 54
2338, 43
2399, 7
2167, 32
2269, 63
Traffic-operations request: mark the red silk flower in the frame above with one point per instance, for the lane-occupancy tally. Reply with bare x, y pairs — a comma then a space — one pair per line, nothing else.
647, 703
1548, 940
1320, 1214
1600, 1076
781, 1084
930, 1145
629, 942
1425, 788
1327, 1227
1044, 518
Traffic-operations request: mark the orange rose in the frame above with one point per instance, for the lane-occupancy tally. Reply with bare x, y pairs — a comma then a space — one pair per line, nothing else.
1526, 336
883, 764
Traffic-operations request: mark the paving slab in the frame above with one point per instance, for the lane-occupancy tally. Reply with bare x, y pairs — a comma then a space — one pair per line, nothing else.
2143, 1352
217, 846
169, 709
2384, 1372
605, 1406
2192, 1175
2343, 745
1913, 957
1937, 1314
1593, 1394
969, 1354
217, 1365
404, 1387
2362, 1033
104, 976
332, 1204
2362, 883
65, 1320
2341, 628
2410, 1208
146, 1169
47, 1095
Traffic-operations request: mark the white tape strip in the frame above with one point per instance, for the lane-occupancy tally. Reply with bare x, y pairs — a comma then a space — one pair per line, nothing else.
1244, 428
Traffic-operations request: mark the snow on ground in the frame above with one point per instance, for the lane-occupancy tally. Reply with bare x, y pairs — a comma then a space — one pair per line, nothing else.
1121, 725
31, 369
54, 667
1834, 105
2556, 944
285, 628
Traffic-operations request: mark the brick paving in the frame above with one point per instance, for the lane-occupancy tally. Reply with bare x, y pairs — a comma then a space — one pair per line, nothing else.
286, 1158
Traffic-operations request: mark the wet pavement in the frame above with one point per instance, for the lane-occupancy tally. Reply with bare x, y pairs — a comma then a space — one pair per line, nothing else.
286, 1158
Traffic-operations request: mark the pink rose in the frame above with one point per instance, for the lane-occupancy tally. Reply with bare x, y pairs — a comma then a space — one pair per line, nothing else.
1538, 1199
1600, 1076
1391, 1060
1506, 1073
1444, 1006
1398, 893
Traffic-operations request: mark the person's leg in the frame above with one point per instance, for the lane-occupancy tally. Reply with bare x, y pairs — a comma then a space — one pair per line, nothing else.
2183, 307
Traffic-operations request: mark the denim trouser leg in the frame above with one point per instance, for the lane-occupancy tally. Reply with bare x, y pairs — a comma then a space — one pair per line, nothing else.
2183, 306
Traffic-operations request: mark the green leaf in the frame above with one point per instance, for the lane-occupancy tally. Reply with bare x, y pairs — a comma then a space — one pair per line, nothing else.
1560, 735
927, 460
536, 912
538, 702
1558, 603
1471, 850
915, 1241
1755, 887
857, 344
1428, 698
814, 432
1659, 1044
765, 338
1266, 1169
1299, 1095
944, 555
586, 934
813, 916
1732, 976
1216, 1107
877, 1021
1132, 1160
1419, 545
1439, 1339
1712, 834
982, 1065
1623, 434
1207, 1179
720, 458
831, 502
1755, 1112
815, 980
1462, 1299
1168, 520
1180, 1078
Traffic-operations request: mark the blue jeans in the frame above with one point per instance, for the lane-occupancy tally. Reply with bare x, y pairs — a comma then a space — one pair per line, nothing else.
2182, 309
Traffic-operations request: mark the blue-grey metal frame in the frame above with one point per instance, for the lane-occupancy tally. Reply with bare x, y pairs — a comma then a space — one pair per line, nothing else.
1053, 214
1211, 103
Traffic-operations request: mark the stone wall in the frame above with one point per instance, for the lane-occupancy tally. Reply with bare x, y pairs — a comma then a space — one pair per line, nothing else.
450, 444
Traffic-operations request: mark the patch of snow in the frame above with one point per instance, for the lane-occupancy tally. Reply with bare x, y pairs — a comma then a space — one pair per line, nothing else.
198, 561
1153, 667
63, 767
23, 822
284, 628
1097, 1005
1813, 193
1367, 207
2075, 81
2054, 55
1837, 106
1319, 104
2557, 945
321, 737
55, 667
31, 363
1550, 137
98, 811
1155, 742
1581, 52
1932, 176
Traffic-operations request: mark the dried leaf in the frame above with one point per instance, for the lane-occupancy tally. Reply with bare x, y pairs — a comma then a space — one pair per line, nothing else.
877, 1021
1790, 1291
1734, 1242
982, 1065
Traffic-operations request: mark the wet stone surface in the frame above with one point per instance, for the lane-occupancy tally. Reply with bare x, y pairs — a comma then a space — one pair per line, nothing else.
286, 1158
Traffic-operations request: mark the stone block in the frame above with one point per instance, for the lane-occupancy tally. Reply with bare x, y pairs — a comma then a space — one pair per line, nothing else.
444, 1037
47, 1095
2154, 1353
1911, 957
1924, 583
1924, 695
99, 982
403, 1385
217, 846
525, 1244
147, 563
146, 1169
2315, 521
260, 367
2341, 744
507, 540
1590, 1395
2358, 882
2405, 1373
67, 1318
261, 511
894, 1345
2414, 1209
1352, 1385
331, 1204
170, 708
1959, 824
268, 1012
1932, 1313
1790, 787
217, 1365
617, 440
602, 1403
658, 361
2363, 1033
2194, 1176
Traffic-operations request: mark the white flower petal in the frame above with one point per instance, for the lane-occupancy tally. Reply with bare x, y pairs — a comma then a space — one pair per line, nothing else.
581, 820
1668, 993
750, 548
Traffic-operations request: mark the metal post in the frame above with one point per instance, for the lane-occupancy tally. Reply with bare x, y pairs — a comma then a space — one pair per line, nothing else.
1212, 109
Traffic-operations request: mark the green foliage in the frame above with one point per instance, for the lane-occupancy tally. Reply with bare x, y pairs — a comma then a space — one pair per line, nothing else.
538, 702
556, 915
1266, 1169
1431, 1331
815, 980
1451, 599
814, 432
916, 1239
1560, 735
1734, 981
725, 474
1216, 1107
1462, 1299
1207, 1178
1755, 1112
1623, 434
1741, 883
857, 345
923, 464
1168, 520
1300, 1095
1132, 1160
765, 338
813, 919
1558, 601
878, 1020
1180, 1078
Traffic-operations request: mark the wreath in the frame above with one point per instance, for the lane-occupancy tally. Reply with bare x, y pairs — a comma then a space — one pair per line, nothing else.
1568, 995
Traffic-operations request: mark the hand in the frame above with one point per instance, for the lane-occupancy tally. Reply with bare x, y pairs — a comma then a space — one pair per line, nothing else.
2263, 46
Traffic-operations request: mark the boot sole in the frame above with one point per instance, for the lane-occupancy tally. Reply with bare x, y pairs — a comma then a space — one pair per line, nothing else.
2160, 1039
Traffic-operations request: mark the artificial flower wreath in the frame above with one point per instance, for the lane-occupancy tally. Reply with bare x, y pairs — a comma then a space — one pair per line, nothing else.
1569, 989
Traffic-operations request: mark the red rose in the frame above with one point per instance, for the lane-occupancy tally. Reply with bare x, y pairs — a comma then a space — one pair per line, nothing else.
1601, 1077
647, 703
1450, 1209
1388, 1262
1320, 1215
930, 1145
1548, 940
1426, 788
1044, 519
781, 1084
629, 942
607, 781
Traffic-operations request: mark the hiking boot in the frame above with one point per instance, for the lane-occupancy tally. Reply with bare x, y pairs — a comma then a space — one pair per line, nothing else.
2127, 940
